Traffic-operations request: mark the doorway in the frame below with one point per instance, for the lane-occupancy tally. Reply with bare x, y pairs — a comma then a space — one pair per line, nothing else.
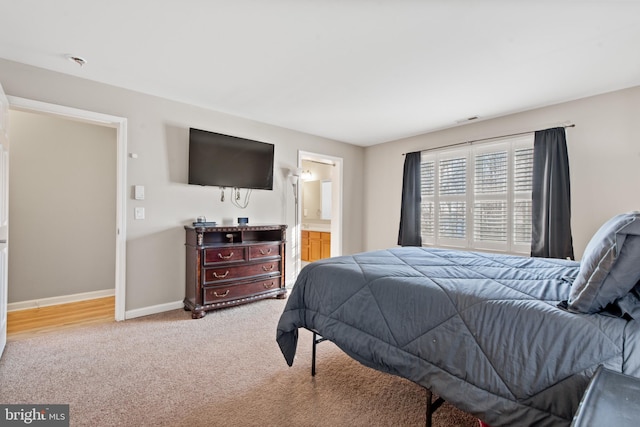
325, 212
119, 124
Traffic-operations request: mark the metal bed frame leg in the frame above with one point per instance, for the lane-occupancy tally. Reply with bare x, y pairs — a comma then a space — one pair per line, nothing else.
432, 406
316, 341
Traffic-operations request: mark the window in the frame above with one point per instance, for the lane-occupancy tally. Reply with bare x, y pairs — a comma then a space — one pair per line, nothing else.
478, 197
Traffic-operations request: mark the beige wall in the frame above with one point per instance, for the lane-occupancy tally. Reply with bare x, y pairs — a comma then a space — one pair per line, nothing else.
62, 205
604, 162
604, 150
158, 134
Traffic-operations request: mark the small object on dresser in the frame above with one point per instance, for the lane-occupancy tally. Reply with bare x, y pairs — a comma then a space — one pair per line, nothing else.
205, 224
201, 219
243, 220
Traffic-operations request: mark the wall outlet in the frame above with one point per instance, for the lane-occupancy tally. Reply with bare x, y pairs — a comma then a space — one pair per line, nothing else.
138, 213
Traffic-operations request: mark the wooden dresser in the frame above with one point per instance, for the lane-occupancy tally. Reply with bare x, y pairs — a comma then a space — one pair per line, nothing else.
231, 265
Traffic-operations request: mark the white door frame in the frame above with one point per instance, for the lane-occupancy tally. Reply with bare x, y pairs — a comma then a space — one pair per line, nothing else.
336, 199
120, 124
4, 216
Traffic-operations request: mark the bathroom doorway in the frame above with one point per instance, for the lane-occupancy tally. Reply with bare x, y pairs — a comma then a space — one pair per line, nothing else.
320, 207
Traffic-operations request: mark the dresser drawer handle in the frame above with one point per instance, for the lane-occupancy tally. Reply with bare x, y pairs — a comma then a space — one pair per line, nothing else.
265, 268
222, 276
221, 295
263, 252
225, 256
268, 285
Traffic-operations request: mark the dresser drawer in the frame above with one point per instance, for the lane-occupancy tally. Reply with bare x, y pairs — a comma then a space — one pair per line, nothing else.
239, 290
263, 251
217, 255
218, 274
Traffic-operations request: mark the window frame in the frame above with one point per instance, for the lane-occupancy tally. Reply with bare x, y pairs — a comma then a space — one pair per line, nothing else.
470, 152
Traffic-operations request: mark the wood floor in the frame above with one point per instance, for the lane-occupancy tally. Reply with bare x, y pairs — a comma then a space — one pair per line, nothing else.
44, 320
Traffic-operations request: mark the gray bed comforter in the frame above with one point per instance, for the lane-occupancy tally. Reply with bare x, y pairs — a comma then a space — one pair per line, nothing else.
483, 331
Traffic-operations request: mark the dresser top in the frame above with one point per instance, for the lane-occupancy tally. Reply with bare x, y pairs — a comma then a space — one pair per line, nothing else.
231, 228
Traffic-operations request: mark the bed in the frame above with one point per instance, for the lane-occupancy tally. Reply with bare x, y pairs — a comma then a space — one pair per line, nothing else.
512, 340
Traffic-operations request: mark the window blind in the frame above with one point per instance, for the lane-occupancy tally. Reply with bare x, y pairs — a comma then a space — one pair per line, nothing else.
490, 212
427, 188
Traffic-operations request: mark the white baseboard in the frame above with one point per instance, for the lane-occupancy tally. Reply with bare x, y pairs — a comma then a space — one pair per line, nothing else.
154, 309
64, 299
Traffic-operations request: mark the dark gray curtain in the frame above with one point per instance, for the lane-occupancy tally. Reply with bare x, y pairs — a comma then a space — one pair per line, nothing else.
551, 203
409, 234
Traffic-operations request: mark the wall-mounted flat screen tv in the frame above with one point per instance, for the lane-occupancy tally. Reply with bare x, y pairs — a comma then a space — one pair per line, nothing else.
228, 161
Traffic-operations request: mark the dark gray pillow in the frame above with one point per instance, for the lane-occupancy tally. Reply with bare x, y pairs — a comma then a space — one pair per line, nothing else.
610, 266
629, 304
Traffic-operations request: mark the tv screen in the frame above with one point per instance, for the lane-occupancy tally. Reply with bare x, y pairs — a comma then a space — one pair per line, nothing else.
228, 161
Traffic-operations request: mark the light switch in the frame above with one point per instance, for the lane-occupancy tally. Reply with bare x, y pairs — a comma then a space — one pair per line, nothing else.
138, 213
138, 192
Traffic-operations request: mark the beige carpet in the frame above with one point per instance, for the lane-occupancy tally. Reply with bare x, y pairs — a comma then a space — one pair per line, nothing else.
223, 370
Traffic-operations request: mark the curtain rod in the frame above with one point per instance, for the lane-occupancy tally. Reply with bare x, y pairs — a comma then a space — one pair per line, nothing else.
486, 139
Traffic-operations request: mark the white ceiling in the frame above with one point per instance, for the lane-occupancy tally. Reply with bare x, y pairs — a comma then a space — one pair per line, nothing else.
358, 71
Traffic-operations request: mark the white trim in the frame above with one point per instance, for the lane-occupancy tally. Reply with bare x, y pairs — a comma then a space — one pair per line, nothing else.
120, 124
63, 299
153, 309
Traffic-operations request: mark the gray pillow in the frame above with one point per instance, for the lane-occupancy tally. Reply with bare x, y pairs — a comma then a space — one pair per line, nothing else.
610, 266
